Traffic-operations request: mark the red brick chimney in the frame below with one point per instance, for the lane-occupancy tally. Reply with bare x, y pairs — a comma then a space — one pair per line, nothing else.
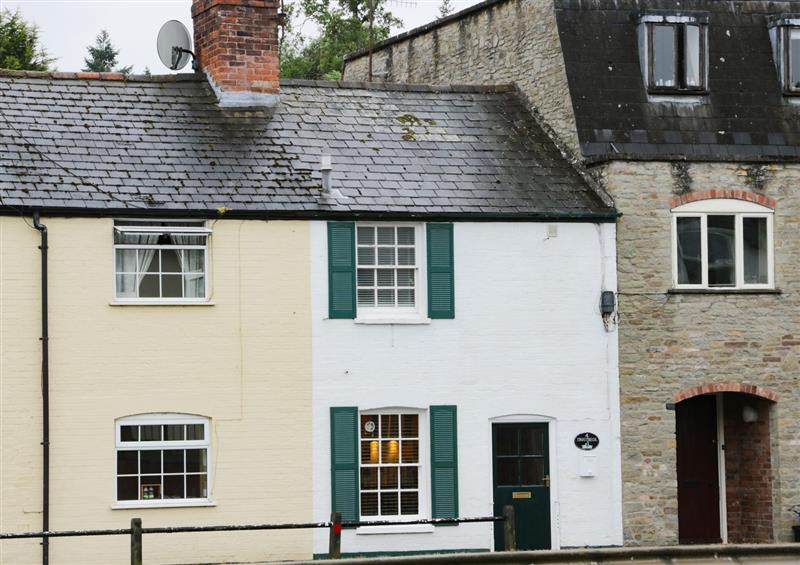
236, 44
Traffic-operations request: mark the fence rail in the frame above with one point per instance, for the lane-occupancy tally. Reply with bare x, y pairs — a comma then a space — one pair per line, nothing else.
335, 525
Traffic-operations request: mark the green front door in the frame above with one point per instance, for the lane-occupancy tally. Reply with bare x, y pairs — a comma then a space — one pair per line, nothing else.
521, 470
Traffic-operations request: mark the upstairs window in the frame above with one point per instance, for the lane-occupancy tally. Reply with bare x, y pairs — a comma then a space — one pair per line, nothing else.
792, 56
722, 244
387, 266
389, 273
785, 37
675, 54
161, 261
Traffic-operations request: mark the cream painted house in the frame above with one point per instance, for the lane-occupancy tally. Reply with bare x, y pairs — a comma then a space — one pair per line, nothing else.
235, 368
203, 296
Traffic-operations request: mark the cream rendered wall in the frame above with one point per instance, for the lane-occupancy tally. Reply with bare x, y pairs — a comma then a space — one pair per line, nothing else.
527, 344
244, 362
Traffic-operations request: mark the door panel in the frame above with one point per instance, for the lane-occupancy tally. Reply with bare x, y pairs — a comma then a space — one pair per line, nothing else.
698, 478
521, 471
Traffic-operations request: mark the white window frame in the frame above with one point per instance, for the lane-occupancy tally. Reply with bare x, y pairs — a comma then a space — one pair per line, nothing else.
423, 490
396, 314
723, 207
143, 228
163, 419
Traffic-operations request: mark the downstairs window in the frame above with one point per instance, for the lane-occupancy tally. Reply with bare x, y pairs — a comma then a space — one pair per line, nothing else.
162, 459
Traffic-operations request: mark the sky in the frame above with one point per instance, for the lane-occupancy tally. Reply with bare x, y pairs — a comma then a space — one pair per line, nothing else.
67, 27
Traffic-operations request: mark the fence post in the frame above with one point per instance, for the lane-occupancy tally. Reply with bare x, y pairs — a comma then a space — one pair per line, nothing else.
136, 541
509, 530
335, 541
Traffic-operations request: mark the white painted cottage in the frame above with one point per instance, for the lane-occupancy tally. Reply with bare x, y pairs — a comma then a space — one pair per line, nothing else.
468, 392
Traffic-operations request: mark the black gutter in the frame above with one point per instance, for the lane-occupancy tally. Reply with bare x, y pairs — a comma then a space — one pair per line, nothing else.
45, 395
602, 158
607, 215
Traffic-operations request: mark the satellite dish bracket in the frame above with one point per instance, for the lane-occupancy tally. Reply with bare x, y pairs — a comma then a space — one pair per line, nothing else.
176, 56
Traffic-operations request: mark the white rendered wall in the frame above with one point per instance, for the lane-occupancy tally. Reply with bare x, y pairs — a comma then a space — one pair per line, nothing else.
528, 343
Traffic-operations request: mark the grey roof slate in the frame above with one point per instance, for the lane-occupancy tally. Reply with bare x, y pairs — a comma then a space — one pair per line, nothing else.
163, 145
744, 116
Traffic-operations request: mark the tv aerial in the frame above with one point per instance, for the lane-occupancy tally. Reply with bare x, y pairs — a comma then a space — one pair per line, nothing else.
174, 45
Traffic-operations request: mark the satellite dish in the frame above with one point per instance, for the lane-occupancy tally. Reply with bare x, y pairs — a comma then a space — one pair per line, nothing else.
174, 45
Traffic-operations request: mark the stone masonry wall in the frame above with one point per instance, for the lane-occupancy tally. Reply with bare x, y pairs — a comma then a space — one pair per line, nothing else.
512, 42
670, 342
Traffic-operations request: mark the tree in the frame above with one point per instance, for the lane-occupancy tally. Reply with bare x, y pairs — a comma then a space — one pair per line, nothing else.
343, 27
19, 45
103, 56
445, 8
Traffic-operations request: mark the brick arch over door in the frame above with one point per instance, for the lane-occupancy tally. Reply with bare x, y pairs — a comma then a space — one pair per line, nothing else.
764, 393
746, 449
731, 194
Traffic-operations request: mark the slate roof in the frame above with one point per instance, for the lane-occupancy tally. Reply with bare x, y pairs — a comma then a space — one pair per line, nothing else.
161, 145
744, 116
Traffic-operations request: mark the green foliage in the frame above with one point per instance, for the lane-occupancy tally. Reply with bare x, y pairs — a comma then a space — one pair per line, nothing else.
445, 8
19, 45
103, 56
343, 27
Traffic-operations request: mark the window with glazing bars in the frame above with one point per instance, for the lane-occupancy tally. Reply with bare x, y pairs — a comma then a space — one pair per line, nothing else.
162, 460
387, 266
390, 465
161, 261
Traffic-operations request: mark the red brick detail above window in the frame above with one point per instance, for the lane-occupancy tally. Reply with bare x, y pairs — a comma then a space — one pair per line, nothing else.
725, 387
723, 193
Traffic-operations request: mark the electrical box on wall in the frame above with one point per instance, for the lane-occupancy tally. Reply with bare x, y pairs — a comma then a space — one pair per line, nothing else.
587, 465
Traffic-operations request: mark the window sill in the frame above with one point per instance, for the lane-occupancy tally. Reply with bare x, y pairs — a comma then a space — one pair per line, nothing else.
159, 303
398, 321
677, 92
724, 291
399, 529
137, 506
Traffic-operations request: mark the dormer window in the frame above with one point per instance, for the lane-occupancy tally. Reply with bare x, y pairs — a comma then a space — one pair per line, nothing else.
785, 37
673, 49
792, 57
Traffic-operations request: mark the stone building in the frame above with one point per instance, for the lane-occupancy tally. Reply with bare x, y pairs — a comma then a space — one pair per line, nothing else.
687, 117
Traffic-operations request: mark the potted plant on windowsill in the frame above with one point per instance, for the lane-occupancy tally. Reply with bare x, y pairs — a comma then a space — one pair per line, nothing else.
796, 528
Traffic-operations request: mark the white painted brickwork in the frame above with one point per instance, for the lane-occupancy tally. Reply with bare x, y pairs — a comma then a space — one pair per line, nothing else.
527, 342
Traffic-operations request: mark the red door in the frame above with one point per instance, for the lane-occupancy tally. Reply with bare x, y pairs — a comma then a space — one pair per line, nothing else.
698, 478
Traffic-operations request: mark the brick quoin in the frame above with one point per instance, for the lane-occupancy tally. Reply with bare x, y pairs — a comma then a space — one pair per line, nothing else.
723, 193
236, 42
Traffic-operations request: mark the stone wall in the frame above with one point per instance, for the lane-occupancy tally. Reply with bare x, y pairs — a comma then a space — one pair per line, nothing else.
670, 342
511, 42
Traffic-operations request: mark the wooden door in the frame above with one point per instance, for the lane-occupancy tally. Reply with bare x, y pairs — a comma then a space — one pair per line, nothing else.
521, 467
698, 474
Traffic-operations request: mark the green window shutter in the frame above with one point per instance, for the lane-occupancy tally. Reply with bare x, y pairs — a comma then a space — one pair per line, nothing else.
444, 462
344, 462
441, 299
341, 270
